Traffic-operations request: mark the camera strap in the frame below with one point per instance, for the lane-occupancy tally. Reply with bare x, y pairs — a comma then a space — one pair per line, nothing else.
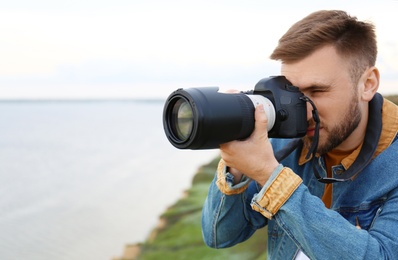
315, 116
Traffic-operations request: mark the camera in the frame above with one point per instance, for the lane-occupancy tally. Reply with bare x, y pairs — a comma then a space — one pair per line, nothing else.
204, 118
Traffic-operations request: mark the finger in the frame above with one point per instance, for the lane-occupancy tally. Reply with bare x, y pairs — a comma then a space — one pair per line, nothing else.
228, 148
261, 121
226, 157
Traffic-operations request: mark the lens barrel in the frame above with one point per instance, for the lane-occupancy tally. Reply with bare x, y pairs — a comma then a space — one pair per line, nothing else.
203, 118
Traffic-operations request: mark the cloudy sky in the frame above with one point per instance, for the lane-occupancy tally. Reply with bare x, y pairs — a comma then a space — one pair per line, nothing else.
148, 48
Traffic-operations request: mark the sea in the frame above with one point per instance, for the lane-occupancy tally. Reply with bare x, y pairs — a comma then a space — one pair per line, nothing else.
80, 179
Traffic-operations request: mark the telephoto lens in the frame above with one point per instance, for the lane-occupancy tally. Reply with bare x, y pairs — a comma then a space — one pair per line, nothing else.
204, 118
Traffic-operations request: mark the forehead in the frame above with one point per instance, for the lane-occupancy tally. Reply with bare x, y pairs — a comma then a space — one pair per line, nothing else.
324, 67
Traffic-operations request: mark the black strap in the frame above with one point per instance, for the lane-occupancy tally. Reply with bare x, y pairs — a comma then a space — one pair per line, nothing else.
315, 117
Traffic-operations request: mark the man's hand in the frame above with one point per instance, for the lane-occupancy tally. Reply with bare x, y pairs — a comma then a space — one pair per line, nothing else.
253, 157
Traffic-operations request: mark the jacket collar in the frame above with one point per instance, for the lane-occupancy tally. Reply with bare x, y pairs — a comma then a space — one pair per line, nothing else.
378, 136
388, 135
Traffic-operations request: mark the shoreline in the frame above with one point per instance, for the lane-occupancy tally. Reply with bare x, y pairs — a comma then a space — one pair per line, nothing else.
133, 251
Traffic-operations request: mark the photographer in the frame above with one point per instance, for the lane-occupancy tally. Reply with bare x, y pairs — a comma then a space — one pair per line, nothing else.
339, 201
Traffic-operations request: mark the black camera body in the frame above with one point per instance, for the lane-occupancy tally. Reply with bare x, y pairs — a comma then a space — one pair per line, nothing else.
290, 109
203, 118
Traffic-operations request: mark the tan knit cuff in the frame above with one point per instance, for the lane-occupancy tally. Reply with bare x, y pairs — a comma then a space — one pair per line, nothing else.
223, 185
277, 193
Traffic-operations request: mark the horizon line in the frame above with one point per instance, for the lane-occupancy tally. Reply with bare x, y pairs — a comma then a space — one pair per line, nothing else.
86, 99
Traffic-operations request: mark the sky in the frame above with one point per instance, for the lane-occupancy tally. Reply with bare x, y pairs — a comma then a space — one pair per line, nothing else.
149, 48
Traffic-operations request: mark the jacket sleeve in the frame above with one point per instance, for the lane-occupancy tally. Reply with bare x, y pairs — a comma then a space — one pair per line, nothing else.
321, 233
227, 214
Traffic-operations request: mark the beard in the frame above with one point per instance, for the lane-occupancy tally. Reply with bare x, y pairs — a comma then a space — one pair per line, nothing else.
342, 130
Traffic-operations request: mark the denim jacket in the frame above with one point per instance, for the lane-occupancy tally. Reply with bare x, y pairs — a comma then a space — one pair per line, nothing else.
362, 222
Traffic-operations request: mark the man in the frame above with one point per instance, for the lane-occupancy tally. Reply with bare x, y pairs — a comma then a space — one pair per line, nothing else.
340, 202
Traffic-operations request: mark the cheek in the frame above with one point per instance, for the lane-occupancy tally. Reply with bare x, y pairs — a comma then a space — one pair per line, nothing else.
331, 109
329, 115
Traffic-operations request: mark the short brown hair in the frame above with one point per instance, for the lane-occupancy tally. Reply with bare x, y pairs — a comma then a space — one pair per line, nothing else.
353, 39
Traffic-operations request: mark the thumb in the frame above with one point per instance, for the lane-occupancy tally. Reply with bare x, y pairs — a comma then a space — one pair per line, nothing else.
261, 121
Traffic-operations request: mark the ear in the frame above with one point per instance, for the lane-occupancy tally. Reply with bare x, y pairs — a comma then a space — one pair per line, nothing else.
370, 81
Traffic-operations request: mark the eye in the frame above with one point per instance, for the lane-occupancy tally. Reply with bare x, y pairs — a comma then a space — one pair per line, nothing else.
318, 90
315, 90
